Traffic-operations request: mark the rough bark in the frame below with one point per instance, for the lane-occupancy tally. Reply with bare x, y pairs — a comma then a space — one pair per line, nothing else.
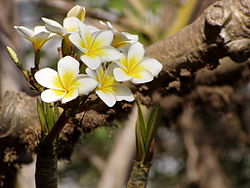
222, 30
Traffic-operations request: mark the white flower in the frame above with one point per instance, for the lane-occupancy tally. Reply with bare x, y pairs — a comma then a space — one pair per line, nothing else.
38, 37
121, 39
66, 84
135, 67
95, 47
108, 89
70, 25
78, 12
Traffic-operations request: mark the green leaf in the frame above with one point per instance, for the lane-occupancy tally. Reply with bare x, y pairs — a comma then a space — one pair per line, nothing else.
49, 115
41, 116
140, 133
152, 124
140, 147
56, 113
141, 120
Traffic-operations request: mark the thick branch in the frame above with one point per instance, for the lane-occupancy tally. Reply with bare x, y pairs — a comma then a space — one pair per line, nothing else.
222, 30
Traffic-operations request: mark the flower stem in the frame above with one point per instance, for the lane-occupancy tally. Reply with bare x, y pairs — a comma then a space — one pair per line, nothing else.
37, 59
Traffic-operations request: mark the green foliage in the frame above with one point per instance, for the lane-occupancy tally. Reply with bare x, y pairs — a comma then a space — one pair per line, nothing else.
145, 132
48, 115
41, 116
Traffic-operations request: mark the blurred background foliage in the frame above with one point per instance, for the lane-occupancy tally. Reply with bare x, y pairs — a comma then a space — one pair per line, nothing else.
152, 20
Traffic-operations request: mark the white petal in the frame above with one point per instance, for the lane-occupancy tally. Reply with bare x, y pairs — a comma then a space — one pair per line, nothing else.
77, 11
25, 32
42, 36
77, 41
92, 29
111, 54
84, 33
136, 50
71, 24
92, 62
145, 76
123, 93
120, 75
86, 85
131, 37
48, 78
39, 29
39, 39
122, 62
90, 73
108, 26
108, 98
104, 37
52, 95
100, 73
152, 65
68, 69
71, 95
53, 26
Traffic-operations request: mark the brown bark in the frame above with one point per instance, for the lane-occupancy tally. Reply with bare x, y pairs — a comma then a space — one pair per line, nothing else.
222, 30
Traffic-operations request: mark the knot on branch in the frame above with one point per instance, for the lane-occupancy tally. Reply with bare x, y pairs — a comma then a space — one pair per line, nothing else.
236, 31
244, 6
217, 14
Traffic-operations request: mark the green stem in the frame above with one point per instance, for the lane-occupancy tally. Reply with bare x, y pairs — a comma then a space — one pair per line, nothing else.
55, 131
66, 47
37, 59
46, 166
139, 175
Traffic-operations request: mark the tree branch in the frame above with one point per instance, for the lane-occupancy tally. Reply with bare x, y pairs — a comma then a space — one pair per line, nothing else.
222, 30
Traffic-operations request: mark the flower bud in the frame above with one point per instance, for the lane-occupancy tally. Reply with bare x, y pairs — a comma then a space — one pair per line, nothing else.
12, 54
77, 11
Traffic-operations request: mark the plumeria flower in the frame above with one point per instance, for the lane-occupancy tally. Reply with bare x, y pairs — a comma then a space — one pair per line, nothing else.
37, 37
121, 39
95, 47
66, 84
70, 25
78, 12
135, 67
108, 89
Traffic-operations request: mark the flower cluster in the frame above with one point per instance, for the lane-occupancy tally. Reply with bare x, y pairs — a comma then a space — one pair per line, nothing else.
110, 58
